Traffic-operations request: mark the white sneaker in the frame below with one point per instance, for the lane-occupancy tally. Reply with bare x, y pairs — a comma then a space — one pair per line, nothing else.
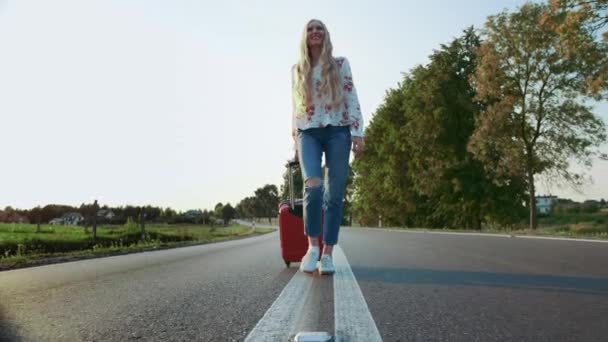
326, 265
309, 261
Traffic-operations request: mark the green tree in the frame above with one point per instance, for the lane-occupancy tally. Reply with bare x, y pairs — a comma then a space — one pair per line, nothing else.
416, 170
35, 216
441, 109
349, 191
228, 213
217, 210
382, 188
248, 207
534, 121
297, 181
267, 201
167, 215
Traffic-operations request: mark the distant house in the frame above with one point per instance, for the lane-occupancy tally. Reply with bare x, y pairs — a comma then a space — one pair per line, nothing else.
72, 219
105, 214
543, 203
56, 221
194, 213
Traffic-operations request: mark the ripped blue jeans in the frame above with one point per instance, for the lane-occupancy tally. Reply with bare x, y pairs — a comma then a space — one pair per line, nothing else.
335, 142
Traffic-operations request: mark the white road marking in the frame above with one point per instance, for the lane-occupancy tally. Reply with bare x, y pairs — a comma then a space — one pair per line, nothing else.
278, 321
558, 238
477, 234
352, 319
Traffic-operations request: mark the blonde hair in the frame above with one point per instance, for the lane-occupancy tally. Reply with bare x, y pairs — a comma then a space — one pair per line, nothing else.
331, 83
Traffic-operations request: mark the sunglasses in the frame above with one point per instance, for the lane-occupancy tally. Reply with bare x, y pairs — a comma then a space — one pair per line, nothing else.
318, 27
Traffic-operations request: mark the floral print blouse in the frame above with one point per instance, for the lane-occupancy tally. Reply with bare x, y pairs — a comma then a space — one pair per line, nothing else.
320, 112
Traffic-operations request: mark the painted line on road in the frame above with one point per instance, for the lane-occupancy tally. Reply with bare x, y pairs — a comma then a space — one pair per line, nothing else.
558, 238
277, 322
481, 234
352, 319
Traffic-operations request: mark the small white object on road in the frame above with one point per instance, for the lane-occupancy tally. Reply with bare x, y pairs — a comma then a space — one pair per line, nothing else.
313, 336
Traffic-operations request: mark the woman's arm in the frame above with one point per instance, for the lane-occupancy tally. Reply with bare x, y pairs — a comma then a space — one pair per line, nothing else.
352, 100
294, 130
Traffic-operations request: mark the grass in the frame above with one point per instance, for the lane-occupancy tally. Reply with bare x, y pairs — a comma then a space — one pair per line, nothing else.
20, 245
559, 219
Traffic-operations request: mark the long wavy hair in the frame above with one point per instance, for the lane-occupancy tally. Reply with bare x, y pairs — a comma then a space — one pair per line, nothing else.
331, 83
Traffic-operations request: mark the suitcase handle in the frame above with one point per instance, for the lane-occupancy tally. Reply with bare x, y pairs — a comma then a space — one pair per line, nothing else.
291, 165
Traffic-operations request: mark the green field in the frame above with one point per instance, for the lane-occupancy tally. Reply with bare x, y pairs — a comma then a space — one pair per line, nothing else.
20, 244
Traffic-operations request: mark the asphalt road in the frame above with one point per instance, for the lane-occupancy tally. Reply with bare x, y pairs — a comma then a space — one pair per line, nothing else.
417, 286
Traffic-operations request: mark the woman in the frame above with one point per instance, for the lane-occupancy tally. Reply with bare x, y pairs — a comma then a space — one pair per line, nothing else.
326, 119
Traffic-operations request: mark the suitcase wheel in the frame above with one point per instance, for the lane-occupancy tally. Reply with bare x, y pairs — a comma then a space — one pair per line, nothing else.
287, 263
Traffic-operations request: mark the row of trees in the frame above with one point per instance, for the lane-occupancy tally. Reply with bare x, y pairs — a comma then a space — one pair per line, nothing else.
263, 203
462, 140
120, 214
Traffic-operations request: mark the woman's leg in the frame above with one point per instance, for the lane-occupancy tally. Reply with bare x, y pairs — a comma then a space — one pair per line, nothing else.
337, 152
309, 152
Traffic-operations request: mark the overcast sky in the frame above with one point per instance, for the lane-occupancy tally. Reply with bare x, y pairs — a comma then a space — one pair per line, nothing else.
187, 103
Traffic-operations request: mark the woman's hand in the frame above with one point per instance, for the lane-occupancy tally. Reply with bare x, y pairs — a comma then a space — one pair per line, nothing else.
358, 145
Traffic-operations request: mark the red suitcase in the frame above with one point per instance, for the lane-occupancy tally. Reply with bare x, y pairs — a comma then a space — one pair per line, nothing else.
294, 242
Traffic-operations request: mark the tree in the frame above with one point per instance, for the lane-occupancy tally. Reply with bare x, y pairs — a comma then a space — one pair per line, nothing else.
267, 200
416, 170
298, 183
205, 217
248, 207
228, 213
239, 211
566, 17
152, 213
441, 110
534, 120
217, 210
94, 212
89, 212
382, 188
142, 221
349, 190
167, 215
52, 211
572, 13
35, 215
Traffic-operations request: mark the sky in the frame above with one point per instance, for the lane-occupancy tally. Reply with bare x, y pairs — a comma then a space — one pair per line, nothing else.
187, 103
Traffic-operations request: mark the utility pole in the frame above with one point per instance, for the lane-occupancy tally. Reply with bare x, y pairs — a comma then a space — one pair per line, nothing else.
142, 225
95, 209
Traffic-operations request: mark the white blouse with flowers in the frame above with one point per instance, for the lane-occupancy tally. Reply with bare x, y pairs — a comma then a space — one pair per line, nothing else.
321, 113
